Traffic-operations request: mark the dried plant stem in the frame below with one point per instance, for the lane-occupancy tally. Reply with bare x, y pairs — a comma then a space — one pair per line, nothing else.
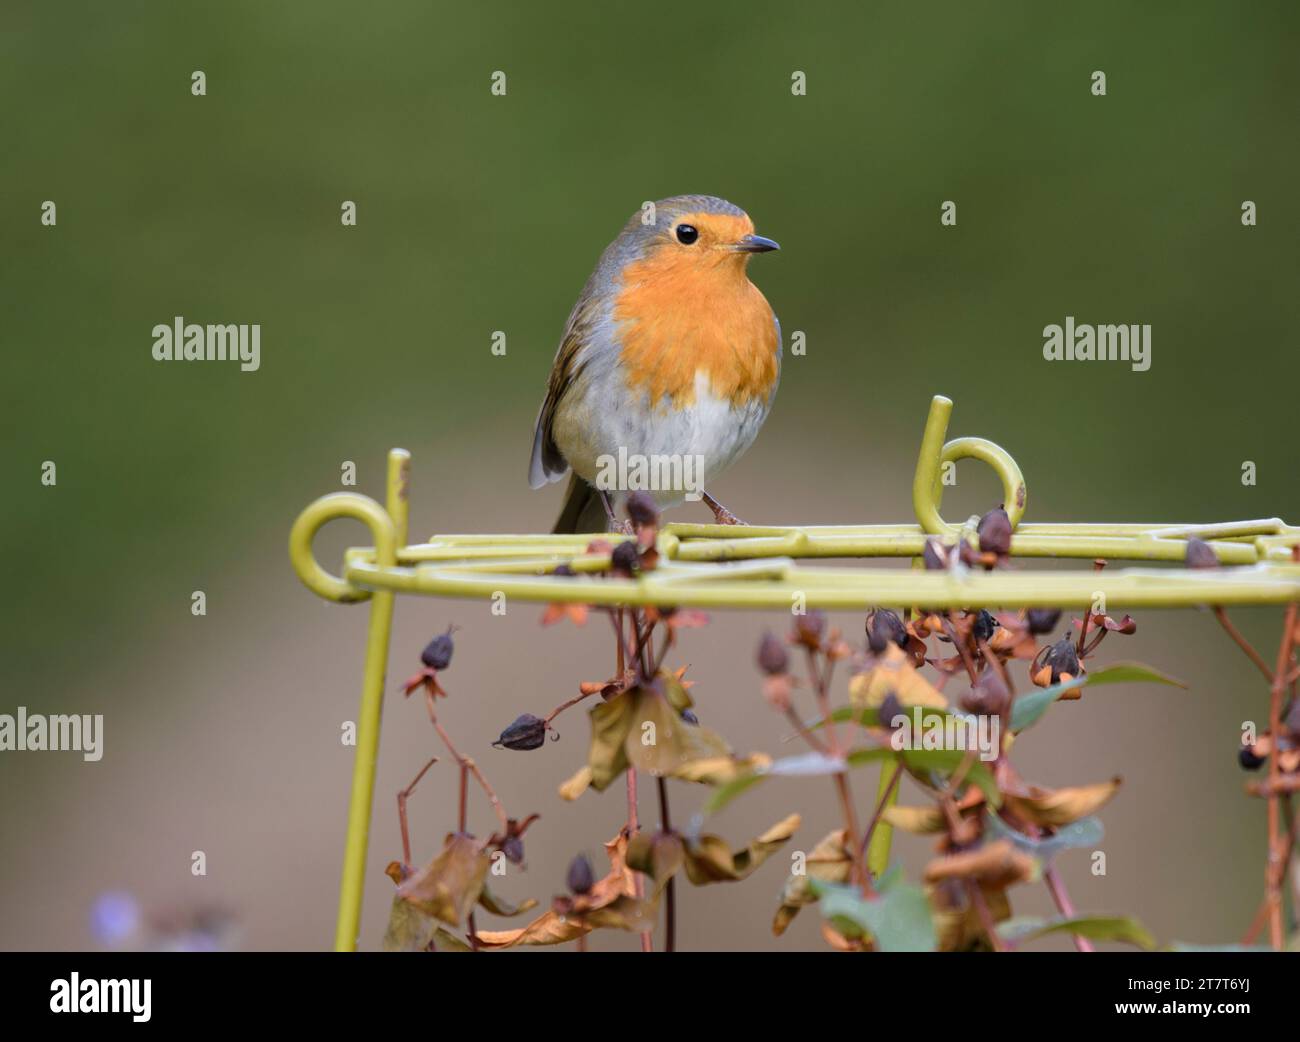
569, 704
670, 890
1242, 642
950, 628
467, 764
402, 797
1275, 868
985, 916
1056, 886
819, 680
633, 827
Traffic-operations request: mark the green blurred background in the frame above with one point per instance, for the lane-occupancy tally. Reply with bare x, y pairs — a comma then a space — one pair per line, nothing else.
479, 213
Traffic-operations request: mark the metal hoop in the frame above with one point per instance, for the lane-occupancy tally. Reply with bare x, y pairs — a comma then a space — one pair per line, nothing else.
927, 486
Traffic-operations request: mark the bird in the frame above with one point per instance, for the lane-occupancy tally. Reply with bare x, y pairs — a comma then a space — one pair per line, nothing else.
667, 367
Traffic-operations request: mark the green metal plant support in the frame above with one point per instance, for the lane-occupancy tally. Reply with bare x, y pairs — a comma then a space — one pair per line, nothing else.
719, 566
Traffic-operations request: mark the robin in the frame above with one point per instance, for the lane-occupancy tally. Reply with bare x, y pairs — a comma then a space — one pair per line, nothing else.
667, 368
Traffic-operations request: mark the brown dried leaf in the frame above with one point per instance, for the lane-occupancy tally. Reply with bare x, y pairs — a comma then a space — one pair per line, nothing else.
997, 865
448, 887
828, 861
1057, 807
710, 860
917, 820
893, 672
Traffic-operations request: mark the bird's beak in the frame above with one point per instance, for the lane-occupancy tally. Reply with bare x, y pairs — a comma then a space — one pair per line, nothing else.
755, 244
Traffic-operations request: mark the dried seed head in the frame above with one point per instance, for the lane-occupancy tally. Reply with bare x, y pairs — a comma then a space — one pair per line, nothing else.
772, 656
808, 629
883, 626
1200, 554
527, 732
985, 625
625, 559
1062, 658
437, 653
890, 707
989, 695
935, 555
641, 510
1247, 758
580, 879
1042, 620
994, 531
513, 849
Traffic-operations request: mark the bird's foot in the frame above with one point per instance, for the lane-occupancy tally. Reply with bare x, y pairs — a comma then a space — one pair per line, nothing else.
615, 525
721, 515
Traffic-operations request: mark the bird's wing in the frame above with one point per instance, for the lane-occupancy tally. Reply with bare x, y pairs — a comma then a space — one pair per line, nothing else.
547, 463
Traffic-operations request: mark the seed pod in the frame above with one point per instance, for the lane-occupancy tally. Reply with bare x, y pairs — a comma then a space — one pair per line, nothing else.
772, 656
935, 555
985, 626
1062, 658
580, 879
527, 732
989, 695
513, 849
641, 510
437, 653
1042, 620
1200, 554
1247, 758
808, 629
994, 531
624, 558
883, 626
890, 708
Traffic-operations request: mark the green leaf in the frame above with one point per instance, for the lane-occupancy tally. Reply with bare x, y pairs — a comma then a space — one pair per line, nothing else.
1027, 708
843, 714
724, 794
1095, 927
1133, 673
1086, 832
898, 919
1183, 946
946, 761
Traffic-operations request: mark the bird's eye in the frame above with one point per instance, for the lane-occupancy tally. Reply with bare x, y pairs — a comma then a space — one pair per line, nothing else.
687, 234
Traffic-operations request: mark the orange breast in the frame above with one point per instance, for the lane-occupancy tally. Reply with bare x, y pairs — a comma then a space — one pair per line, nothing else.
677, 316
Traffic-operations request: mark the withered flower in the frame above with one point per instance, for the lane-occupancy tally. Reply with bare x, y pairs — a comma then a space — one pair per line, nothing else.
1060, 662
884, 626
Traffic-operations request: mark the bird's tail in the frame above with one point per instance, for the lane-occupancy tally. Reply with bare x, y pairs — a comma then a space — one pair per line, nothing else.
583, 511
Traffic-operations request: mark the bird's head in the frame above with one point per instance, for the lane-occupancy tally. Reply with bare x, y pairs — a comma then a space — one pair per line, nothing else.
693, 233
